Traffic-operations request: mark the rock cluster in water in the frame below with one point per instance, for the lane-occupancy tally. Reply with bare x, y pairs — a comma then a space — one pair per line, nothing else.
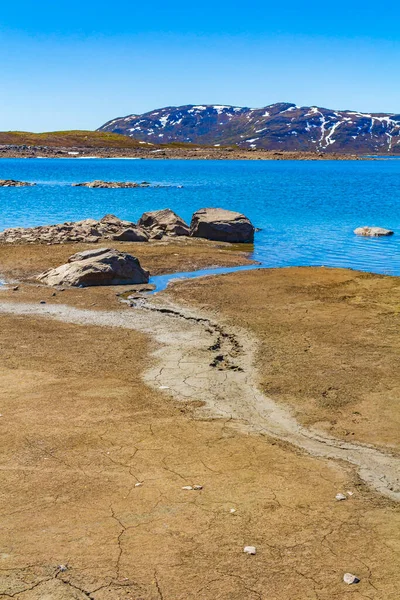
111, 184
100, 266
15, 183
209, 223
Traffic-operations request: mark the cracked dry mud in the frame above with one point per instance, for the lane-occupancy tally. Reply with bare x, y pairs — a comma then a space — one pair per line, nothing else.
80, 429
200, 360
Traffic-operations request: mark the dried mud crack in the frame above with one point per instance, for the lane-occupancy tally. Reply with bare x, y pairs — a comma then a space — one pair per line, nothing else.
197, 359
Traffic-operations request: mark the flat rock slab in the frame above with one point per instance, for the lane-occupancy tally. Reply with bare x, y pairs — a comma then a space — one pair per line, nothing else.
373, 231
102, 266
222, 225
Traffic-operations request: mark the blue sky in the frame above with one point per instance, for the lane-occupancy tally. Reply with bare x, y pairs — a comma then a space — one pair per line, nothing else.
76, 64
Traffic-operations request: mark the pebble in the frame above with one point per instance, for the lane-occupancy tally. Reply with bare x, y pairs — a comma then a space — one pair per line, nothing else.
232, 511
349, 493
15, 288
187, 487
250, 549
349, 578
197, 487
340, 497
164, 387
138, 484
62, 568
42, 302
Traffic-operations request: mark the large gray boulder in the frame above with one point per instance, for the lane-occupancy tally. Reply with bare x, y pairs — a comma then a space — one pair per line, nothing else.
373, 231
102, 266
164, 221
131, 234
222, 225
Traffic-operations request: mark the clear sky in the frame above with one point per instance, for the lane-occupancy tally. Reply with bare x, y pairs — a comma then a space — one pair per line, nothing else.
74, 64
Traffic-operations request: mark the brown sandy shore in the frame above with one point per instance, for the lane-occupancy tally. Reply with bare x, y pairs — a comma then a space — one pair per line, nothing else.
163, 153
84, 420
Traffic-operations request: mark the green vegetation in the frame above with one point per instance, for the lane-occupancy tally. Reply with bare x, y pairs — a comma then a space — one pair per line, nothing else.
84, 139
68, 139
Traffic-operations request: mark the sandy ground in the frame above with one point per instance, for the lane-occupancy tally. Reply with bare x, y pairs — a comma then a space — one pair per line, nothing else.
330, 344
175, 255
83, 420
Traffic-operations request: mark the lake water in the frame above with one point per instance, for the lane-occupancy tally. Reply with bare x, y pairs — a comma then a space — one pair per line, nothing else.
307, 210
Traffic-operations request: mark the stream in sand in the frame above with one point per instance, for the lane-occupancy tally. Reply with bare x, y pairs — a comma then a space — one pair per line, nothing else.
199, 358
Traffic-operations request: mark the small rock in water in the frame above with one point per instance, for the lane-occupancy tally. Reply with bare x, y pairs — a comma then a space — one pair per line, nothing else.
340, 497
249, 550
373, 231
349, 578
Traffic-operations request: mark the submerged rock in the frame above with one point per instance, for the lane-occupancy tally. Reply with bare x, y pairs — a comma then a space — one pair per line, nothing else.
164, 222
373, 231
15, 183
102, 266
222, 225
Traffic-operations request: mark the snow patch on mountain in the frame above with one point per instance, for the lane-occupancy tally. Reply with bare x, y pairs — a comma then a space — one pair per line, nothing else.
277, 126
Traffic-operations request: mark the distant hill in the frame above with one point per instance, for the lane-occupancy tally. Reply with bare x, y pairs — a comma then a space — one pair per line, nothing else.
68, 139
281, 126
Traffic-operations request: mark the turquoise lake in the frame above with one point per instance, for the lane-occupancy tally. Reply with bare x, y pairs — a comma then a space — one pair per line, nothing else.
307, 210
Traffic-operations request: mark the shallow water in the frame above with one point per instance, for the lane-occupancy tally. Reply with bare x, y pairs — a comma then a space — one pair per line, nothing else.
307, 210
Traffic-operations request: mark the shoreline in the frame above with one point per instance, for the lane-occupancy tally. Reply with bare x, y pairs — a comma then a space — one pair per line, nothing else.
167, 153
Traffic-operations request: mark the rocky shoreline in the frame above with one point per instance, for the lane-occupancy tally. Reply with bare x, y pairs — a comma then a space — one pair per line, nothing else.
150, 151
209, 223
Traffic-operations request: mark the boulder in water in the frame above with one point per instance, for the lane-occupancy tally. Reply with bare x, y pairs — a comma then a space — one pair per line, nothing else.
222, 225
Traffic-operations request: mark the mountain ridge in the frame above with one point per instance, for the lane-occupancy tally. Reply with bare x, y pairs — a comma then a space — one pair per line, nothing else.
279, 126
